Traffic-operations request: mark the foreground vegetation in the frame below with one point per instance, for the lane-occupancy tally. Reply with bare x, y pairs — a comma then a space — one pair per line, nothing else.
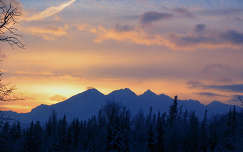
115, 130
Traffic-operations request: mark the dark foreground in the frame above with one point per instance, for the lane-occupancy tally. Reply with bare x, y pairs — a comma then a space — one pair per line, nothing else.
115, 130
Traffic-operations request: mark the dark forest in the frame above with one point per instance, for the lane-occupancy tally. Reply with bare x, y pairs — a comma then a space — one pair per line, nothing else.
115, 130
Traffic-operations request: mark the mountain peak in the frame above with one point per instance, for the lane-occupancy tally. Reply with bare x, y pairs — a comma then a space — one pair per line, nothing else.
123, 92
41, 107
92, 91
88, 103
128, 90
149, 93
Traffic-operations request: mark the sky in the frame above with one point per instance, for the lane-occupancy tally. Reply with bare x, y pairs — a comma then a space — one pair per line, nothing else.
189, 48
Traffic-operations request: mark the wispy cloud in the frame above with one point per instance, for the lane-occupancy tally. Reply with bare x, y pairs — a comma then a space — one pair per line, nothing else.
57, 98
49, 11
232, 87
48, 33
210, 94
150, 17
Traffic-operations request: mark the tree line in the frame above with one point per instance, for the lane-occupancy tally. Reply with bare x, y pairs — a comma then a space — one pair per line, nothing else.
114, 129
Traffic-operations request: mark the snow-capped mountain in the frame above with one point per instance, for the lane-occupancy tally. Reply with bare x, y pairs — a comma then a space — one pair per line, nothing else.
88, 103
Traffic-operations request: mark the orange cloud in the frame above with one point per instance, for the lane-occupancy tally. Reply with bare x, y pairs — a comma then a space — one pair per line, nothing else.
58, 98
48, 33
138, 36
34, 73
83, 27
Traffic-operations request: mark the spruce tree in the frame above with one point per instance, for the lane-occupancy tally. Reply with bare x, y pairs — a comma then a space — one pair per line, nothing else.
5, 145
151, 139
194, 132
160, 134
173, 112
204, 133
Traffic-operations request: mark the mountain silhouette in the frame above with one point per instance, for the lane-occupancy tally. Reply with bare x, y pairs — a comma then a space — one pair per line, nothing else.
88, 103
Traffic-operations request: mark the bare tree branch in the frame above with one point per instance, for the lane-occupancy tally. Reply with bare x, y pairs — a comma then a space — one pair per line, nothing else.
5, 90
241, 100
8, 20
8, 34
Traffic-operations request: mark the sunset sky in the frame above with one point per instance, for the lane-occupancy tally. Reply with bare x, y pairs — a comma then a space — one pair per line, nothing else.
189, 48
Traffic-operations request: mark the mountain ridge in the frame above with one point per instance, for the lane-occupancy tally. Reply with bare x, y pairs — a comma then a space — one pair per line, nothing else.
86, 104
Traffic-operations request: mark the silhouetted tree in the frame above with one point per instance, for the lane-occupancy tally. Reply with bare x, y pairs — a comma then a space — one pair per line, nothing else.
33, 138
213, 137
115, 130
151, 139
204, 133
229, 134
4, 138
118, 123
173, 135
8, 18
173, 112
15, 131
160, 134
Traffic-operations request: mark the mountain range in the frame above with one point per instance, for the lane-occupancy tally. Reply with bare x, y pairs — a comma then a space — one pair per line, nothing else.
88, 103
